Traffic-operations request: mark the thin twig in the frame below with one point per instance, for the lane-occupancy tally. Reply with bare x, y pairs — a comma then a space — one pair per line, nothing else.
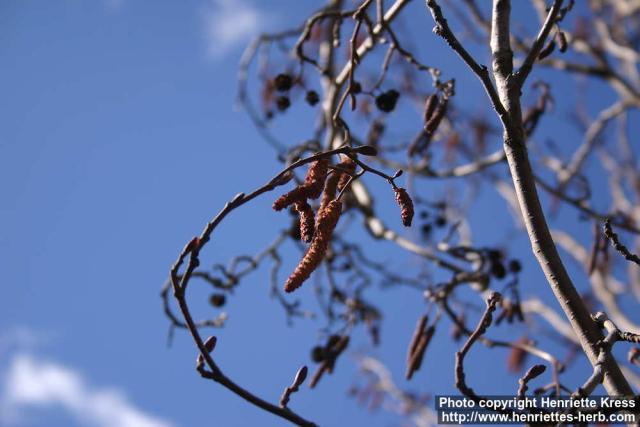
538, 44
484, 323
615, 241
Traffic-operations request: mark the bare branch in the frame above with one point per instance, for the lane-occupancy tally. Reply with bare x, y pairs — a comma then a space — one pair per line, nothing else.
538, 44
484, 323
524, 182
442, 29
533, 372
615, 241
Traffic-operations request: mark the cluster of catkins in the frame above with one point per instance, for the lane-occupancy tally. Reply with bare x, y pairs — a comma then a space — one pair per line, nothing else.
317, 229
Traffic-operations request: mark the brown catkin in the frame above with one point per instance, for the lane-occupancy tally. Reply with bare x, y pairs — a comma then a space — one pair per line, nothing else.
336, 350
326, 223
433, 115
350, 166
562, 41
428, 335
430, 106
417, 333
333, 183
333, 351
307, 220
418, 354
315, 178
432, 124
310, 189
298, 194
517, 356
406, 206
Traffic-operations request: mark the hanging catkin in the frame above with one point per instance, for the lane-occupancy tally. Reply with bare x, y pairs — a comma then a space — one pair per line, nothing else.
350, 166
406, 205
307, 220
336, 181
310, 189
326, 223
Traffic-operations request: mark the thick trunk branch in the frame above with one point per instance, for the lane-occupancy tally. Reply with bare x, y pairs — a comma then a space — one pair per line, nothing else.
523, 179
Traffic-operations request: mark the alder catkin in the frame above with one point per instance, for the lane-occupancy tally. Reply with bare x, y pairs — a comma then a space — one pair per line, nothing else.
428, 335
296, 195
307, 220
417, 333
415, 362
517, 356
435, 110
310, 189
562, 41
334, 182
315, 178
432, 124
406, 205
430, 106
350, 166
326, 223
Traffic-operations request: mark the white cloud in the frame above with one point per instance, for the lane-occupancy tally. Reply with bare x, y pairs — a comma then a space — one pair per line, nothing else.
229, 23
29, 383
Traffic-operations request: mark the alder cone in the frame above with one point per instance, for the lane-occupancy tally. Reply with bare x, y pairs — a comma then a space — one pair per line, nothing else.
312, 97
283, 103
283, 82
387, 101
327, 221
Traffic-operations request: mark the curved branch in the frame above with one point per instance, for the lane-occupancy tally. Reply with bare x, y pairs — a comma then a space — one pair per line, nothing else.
541, 241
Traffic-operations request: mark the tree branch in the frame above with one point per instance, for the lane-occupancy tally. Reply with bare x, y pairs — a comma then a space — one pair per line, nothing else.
532, 213
442, 29
538, 44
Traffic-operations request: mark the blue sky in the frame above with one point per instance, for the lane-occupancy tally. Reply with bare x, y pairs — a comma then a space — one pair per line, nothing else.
118, 141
